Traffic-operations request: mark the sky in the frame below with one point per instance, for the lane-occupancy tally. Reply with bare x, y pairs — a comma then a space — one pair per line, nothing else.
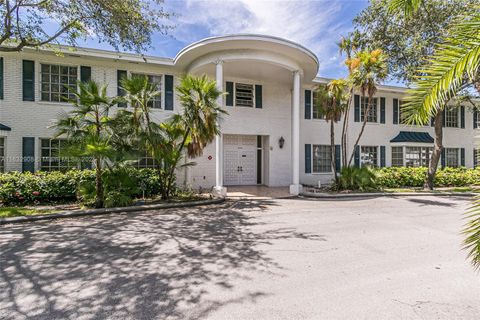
315, 24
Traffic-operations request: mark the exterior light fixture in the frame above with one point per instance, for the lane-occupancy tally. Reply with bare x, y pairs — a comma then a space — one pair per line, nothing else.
281, 142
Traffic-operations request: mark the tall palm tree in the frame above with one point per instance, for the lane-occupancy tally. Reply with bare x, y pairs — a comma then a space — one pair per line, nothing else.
454, 65
367, 70
332, 103
87, 130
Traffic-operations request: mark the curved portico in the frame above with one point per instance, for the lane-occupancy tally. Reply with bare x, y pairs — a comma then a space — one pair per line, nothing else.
274, 69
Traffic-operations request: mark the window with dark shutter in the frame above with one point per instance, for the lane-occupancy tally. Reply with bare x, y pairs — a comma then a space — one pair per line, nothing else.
28, 80
168, 92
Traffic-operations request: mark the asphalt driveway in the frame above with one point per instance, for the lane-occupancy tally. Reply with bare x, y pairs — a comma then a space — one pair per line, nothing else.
272, 259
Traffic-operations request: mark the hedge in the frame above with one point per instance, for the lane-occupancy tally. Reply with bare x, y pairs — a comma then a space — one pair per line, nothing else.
399, 177
55, 186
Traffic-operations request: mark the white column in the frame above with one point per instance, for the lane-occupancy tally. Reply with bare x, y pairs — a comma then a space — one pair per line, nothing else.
219, 190
295, 187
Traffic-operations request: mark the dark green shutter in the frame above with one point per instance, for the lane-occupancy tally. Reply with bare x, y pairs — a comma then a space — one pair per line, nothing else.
1, 78
28, 81
443, 160
229, 89
432, 121
383, 163
382, 110
395, 112
443, 117
338, 160
308, 158
85, 73
308, 104
28, 154
462, 157
475, 158
168, 92
462, 117
357, 156
120, 91
475, 118
258, 96
356, 102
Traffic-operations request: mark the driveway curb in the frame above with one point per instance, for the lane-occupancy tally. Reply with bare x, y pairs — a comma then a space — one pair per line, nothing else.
93, 212
386, 194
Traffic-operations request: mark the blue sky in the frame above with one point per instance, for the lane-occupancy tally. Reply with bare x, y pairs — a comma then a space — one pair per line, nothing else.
316, 24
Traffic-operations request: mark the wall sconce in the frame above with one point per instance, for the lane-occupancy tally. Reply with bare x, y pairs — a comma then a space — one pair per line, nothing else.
281, 142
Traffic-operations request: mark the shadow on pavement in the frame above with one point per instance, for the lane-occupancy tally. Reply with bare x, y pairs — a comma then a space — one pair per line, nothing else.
139, 265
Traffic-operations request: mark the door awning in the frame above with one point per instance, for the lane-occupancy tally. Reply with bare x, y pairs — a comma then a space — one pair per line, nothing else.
413, 136
5, 128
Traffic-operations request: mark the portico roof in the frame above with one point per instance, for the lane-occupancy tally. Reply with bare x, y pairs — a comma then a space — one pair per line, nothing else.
250, 46
5, 128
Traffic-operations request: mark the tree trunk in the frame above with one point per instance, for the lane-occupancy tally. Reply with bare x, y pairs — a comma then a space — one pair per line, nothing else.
365, 118
437, 151
99, 196
332, 148
344, 132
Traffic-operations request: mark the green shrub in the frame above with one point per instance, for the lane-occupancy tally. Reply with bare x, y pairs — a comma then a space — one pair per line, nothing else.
399, 177
357, 179
122, 186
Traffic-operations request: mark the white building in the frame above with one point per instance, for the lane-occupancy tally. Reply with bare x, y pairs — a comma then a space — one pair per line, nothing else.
271, 135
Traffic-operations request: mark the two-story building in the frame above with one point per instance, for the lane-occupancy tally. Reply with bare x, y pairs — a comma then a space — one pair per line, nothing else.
272, 134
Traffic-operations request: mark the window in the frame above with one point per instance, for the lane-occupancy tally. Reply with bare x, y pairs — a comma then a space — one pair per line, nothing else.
51, 156
451, 117
243, 95
397, 156
451, 157
316, 114
146, 161
369, 156
58, 83
322, 158
156, 80
373, 114
418, 156
2, 154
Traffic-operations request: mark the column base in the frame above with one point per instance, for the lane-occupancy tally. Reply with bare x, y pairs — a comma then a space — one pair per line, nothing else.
219, 192
295, 189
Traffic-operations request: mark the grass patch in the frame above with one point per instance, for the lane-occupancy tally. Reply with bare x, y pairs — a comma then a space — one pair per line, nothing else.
6, 212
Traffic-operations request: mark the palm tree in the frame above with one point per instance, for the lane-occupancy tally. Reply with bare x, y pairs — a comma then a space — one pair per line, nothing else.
332, 103
454, 66
87, 130
367, 69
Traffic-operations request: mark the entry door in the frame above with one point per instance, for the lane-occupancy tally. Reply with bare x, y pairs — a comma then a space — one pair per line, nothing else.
240, 160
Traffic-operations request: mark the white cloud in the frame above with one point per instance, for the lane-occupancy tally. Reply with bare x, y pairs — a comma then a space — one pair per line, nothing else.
314, 24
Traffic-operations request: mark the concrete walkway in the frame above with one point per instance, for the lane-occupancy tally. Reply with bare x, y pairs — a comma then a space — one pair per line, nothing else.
257, 192
378, 258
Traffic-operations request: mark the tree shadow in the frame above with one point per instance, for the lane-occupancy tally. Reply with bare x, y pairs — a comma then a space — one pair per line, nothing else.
156, 264
436, 202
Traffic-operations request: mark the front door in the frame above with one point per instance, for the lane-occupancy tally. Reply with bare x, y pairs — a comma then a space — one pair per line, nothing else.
240, 160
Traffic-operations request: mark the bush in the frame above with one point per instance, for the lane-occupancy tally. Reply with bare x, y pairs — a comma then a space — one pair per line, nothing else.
399, 177
357, 179
121, 185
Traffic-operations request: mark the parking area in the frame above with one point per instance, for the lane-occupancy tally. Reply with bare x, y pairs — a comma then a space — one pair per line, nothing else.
380, 258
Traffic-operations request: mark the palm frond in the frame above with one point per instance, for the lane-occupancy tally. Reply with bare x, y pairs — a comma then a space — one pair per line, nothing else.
472, 232
454, 62
408, 7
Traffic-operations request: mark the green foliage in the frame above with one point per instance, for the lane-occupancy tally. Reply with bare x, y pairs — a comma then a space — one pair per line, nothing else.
399, 177
471, 231
122, 186
120, 23
357, 179
407, 30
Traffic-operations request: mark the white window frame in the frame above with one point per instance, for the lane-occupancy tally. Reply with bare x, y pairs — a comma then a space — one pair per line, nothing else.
161, 87
424, 155
374, 109
328, 160
41, 82
452, 117
453, 152
402, 158
150, 162
43, 158
362, 161
315, 112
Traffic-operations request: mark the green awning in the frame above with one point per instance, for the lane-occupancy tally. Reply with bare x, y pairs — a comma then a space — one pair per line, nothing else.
5, 128
413, 136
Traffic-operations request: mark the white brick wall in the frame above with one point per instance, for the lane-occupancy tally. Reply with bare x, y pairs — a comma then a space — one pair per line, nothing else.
32, 119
